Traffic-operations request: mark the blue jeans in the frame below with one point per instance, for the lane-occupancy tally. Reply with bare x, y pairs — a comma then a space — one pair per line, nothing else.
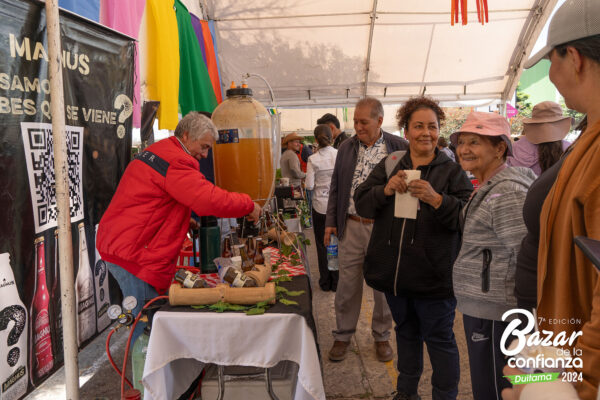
430, 321
132, 286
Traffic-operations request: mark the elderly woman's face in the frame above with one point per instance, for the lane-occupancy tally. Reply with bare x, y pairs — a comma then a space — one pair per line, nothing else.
477, 153
423, 131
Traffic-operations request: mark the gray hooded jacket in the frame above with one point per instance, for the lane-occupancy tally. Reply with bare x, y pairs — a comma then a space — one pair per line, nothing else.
493, 227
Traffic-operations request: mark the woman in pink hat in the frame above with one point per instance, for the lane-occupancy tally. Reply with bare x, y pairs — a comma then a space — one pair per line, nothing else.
542, 142
492, 226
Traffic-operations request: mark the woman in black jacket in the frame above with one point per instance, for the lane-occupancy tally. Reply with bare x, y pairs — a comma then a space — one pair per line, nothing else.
417, 280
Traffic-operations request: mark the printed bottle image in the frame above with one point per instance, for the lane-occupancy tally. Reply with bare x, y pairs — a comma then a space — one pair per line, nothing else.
102, 296
57, 335
13, 335
41, 341
84, 290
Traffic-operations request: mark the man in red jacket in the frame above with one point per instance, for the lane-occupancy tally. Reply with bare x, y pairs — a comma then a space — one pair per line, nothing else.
142, 231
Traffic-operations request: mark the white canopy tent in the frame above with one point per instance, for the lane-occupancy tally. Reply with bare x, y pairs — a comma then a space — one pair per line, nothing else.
330, 53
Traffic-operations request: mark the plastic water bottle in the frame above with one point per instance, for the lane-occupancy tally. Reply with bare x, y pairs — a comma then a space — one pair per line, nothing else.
332, 254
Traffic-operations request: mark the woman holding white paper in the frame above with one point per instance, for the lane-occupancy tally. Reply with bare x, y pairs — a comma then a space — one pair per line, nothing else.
410, 258
493, 228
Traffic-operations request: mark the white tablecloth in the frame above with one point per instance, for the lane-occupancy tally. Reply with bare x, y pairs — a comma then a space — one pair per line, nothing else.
181, 342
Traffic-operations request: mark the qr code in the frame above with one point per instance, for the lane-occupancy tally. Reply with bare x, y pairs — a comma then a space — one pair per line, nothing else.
39, 155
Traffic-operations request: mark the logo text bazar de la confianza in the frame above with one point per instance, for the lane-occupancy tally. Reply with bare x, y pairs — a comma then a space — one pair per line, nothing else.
535, 351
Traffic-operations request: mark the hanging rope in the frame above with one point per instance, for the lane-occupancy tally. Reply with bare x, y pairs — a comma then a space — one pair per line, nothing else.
459, 7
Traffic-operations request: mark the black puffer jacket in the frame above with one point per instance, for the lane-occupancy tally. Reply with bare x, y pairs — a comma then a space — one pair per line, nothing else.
430, 243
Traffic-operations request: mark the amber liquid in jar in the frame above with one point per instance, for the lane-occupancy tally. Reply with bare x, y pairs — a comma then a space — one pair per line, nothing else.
245, 167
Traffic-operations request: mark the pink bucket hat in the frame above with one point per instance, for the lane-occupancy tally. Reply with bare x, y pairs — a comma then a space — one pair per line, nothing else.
547, 123
485, 124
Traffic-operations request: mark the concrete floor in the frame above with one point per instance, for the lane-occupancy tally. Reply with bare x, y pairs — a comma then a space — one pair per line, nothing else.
359, 376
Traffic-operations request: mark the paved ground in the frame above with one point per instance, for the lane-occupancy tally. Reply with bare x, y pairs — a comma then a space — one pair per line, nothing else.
359, 376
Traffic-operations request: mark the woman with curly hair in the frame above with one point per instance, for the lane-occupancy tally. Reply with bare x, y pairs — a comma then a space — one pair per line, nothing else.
410, 260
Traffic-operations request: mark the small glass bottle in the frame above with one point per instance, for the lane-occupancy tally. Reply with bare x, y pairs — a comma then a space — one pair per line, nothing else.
258, 256
247, 262
251, 247
227, 251
269, 219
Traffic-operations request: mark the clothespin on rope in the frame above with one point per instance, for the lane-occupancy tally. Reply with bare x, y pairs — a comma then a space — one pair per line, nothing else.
459, 7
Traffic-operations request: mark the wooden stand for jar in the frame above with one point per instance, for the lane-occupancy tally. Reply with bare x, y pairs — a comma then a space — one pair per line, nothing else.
179, 296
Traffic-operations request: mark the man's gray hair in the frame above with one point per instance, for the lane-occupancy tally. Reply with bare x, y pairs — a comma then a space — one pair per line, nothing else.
196, 125
374, 104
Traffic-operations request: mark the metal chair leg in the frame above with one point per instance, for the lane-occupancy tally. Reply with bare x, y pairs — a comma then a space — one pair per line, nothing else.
221, 380
269, 384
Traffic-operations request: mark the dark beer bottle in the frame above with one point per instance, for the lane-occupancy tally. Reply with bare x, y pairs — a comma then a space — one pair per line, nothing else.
227, 251
247, 262
259, 257
251, 247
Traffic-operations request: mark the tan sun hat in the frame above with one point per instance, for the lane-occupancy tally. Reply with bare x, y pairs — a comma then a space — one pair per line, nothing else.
289, 137
547, 123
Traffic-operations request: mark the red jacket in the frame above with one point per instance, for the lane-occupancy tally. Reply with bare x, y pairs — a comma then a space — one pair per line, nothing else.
146, 222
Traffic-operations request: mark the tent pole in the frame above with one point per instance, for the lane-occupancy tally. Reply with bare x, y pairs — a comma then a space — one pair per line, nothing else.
67, 285
368, 63
540, 12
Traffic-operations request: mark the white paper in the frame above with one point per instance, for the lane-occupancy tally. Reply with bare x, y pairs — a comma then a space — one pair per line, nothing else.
406, 205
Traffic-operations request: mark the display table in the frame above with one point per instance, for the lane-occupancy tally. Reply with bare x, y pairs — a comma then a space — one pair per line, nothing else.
183, 339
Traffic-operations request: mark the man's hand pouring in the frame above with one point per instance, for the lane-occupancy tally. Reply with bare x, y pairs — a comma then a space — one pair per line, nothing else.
255, 214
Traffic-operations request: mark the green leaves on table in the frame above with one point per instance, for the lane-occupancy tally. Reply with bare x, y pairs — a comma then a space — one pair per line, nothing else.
286, 250
288, 302
256, 311
281, 291
260, 307
282, 276
221, 306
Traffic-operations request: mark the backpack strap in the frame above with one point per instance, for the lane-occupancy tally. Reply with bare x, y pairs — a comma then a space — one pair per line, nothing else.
392, 161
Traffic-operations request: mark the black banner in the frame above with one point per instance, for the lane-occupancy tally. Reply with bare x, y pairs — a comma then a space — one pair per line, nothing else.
98, 73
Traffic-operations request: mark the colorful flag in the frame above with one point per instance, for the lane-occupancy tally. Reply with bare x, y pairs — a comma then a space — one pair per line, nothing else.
195, 86
198, 30
159, 60
126, 18
211, 60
